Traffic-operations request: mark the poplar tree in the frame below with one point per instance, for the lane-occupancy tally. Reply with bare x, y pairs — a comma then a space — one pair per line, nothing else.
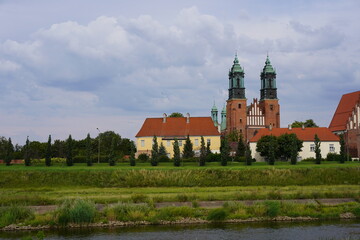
176, 153
202, 152
162, 150
27, 158
48, 153
132, 156
208, 150
154, 152
224, 151
69, 151
112, 152
240, 151
188, 148
317, 149
294, 151
342, 149
248, 158
88, 150
9, 153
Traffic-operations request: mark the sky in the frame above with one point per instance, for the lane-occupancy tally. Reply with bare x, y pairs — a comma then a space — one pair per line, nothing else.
72, 66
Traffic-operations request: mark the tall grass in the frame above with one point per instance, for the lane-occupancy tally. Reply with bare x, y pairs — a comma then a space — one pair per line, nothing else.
14, 214
128, 212
76, 211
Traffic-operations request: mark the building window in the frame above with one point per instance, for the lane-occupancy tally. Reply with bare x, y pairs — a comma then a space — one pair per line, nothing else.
208, 141
239, 106
168, 143
271, 107
180, 143
142, 143
331, 148
240, 120
196, 142
312, 147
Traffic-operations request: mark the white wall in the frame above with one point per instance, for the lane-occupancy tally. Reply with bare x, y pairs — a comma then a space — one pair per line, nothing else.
305, 151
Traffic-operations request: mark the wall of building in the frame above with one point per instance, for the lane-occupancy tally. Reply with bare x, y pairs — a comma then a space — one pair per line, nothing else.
168, 144
305, 151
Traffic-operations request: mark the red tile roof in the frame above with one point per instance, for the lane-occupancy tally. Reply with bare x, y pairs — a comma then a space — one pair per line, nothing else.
306, 135
177, 126
343, 111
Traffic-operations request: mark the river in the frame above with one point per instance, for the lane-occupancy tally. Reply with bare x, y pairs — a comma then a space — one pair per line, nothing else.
317, 230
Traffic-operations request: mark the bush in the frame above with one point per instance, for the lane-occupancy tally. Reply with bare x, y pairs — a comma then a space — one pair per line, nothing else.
76, 211
143, 157
240, 158
192, 159
272, 208
218, 214
14, 214
138, 198
213, 157
128, 211
310, 159
174, 213
182, 197
164, 158
333, 157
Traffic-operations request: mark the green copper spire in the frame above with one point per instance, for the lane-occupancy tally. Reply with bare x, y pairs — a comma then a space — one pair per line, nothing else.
236, 81
268, 68
236, 66
223, 119
214, 115
268, 81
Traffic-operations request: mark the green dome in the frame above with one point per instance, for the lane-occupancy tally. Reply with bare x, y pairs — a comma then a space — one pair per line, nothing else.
268, 68
223, 110
236, 66
214, 108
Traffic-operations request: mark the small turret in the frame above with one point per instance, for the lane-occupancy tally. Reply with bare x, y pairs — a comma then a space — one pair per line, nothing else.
214, 115
223, 119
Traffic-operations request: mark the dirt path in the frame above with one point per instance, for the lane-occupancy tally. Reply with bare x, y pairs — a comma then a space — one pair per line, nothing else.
213, 204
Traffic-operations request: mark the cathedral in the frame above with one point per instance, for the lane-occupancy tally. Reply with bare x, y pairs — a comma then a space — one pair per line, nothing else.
248, 119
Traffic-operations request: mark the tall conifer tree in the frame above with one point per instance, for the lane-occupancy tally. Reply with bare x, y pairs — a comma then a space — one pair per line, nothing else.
154, 152
317, 149
69, 151
48, 153
248, 158
132, 156
176, 153
88, 151
9, 153
224, 151
342, 149
27, 157
188, 148
112, 156
202, 152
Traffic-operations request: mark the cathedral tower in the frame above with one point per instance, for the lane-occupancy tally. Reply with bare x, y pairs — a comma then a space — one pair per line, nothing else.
269, 103
236, 104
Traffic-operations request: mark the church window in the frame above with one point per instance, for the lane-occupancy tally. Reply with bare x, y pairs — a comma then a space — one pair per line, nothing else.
239, 106
240, 120
312, 147
180, 143
196, 142
331, 148
271, 107
142, 143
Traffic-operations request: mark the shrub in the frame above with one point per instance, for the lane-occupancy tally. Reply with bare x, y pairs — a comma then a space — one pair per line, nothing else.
213, 157
272, 208
76, 211
310, 159
164, 158
240, 158
182, 197
218, 214
14, 214
138, 197
128, 211
192, 159
143, 157
173, 213
333, 157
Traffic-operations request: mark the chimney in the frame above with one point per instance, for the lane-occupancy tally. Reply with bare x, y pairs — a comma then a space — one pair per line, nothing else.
188, 118
164, 118
303, 127
270, 127
289, 127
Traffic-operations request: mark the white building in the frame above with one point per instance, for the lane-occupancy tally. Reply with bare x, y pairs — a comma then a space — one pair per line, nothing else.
329, 141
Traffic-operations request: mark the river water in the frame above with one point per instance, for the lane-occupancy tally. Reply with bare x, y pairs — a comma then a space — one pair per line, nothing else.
322, 230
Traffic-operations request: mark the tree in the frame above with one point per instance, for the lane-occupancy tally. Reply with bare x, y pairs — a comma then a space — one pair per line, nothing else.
69, 151
9, 152
267, 146
208, 150
289, 144
240, 151
308, 123
176, 114
248, 158
202, 152
342, 149
233, 136
88, 151
224, 152
162, 150
176, 153
294, 149
154, 152
317, 149
132, 157
48, 153
27, 158
188, 148
112, 155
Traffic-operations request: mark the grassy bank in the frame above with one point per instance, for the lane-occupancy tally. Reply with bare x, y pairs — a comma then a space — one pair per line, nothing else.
188, 176
83, 212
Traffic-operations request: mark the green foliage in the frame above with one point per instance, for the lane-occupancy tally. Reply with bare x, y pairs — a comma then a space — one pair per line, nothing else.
233, 136
202, 158
317, 149
176, 158
289, 146
48, 153
342, 149
308, 123
174, 213
163, 158
248, 160
69, 151
89, 161
176, 114
76, 211
208, 150
154, 152
272, 208
14, 214
9, 153
112, 157
240, 151
162, 150
268, 147
139, 198
333, 157
213, 157
218, 214
143, 157
188, 148
224, 151
132, 157
27, 158
128, 211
